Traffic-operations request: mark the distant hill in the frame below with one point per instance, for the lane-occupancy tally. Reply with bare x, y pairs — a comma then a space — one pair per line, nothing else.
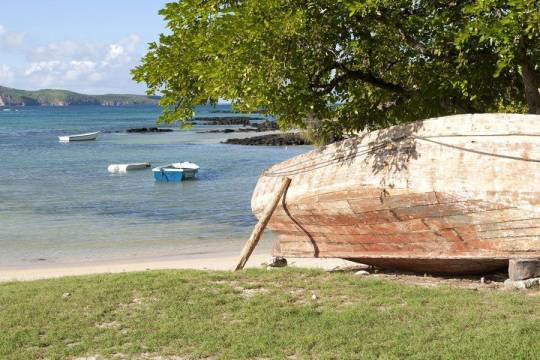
51, 97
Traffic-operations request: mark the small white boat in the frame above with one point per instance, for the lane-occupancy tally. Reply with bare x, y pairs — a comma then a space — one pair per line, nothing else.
79, 137
122, 168
175, 172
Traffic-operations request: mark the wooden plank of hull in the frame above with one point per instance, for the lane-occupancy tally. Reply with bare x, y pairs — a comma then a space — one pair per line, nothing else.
421, 205
484, 234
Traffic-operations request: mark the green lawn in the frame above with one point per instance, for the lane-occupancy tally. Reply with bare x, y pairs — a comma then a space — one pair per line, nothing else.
284, 313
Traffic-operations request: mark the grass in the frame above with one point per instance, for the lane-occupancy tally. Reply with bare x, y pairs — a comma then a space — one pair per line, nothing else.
285, 313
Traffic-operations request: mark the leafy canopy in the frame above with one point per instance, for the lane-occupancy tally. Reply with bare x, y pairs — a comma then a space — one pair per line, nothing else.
341, 66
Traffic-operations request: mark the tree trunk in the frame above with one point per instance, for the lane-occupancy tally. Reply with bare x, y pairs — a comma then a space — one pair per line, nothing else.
532, 93
531, 80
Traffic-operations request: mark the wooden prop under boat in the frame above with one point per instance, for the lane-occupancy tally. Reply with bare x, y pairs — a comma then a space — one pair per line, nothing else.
451, 195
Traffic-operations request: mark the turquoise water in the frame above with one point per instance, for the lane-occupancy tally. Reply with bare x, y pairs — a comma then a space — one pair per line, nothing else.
59, 204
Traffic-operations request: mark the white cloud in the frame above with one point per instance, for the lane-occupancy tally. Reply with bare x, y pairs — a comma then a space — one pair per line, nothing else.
72, 64
115, 51
42, 66
65, 50
122, 51
6, 74
57, 73
43, 73
11, 41
79, 69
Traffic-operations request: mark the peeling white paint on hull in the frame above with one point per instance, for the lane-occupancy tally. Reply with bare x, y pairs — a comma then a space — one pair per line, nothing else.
458, 194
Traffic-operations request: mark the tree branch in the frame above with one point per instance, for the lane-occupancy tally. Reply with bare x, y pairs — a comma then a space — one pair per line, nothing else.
349, 74
374, 80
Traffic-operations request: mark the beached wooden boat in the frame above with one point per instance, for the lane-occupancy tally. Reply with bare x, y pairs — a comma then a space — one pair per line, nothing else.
457, 195
175, 172
79, 137
122, 168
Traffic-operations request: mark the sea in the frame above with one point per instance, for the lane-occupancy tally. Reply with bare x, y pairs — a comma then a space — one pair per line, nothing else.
59, 204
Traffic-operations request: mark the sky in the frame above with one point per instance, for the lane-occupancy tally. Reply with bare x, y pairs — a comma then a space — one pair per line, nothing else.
79, 45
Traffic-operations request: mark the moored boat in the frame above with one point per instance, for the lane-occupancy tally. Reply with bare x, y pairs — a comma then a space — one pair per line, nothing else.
454, 195
121, 168
175, 172
79, 137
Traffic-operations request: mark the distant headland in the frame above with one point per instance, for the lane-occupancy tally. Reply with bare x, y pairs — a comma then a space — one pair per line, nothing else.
53, 97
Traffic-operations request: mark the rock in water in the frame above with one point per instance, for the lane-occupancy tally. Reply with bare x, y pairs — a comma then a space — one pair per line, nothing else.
145, 130
266, 125
244, 121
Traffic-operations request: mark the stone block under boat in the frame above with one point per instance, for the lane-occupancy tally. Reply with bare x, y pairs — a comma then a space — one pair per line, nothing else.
452, 195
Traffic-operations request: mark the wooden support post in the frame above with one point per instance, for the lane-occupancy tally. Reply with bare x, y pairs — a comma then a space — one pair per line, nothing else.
261, 225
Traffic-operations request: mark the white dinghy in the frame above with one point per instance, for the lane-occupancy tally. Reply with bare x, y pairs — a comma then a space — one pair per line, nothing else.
79, 137
122, 168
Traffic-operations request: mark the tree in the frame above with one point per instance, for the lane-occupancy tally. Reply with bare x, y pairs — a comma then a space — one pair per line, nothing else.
343, 66
511, 29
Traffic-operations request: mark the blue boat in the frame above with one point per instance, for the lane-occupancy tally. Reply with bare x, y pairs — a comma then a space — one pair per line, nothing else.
175, 172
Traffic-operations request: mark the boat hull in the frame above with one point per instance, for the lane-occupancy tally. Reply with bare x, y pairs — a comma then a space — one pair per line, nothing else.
79, 137
173, 175
189, 174
454, 195
122, 168
175, 172
168, 175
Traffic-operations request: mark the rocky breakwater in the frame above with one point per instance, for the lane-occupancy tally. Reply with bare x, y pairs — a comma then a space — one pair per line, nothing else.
243, 121
275, 139
248, 127
147, 130
250, 124
281, 139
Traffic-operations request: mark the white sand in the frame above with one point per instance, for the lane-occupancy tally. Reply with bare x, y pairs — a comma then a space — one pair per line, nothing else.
226, 262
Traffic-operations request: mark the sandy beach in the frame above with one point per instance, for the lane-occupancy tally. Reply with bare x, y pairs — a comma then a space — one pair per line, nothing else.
196, 262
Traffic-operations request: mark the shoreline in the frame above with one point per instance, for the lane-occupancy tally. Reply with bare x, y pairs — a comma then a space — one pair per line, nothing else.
222, 262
